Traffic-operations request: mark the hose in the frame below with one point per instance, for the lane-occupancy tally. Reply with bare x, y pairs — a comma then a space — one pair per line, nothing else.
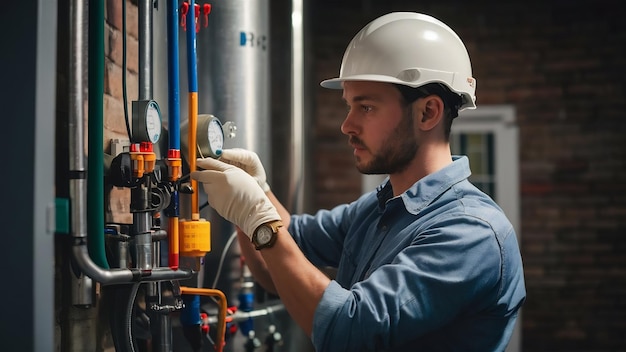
122, 326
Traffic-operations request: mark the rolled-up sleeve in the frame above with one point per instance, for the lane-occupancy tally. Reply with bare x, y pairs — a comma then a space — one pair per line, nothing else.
334, 298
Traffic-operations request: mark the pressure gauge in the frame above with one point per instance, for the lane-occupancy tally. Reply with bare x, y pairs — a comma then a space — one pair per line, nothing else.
146, 121
210, 136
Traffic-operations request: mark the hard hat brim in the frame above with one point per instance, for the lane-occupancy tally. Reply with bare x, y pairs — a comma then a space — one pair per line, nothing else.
336, 83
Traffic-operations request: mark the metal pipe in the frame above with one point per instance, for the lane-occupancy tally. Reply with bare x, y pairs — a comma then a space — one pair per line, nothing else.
240, 316
144, 33
142, 220
298, 152
82, 286
77, 171
123, 275
165, 328
143, 248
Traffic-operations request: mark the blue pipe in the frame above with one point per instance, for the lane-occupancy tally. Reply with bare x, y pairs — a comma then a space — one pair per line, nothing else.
192, 68
172, 75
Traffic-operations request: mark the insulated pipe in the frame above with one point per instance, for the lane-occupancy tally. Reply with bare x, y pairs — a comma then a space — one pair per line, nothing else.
192, 70
95, 180
173, 84
173, 107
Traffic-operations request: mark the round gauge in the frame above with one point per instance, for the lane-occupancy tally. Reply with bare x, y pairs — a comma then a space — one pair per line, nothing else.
153, 122
215, 134
146, 121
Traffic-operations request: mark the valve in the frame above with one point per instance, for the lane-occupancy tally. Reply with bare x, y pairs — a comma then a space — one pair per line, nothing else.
274, 339
253, 342
143, 158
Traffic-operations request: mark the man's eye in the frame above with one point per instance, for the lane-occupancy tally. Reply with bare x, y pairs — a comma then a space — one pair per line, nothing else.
367, 108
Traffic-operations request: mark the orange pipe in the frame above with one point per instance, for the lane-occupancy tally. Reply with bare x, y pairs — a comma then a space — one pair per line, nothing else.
193, 128
221, 319
174, 245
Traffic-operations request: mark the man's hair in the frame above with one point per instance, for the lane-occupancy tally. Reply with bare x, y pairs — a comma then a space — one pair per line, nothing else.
451, 101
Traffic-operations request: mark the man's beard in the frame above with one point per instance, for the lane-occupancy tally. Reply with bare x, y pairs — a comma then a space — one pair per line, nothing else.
396, 152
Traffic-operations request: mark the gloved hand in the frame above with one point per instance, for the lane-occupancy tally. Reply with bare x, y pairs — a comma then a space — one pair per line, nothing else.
235, 195
249, 162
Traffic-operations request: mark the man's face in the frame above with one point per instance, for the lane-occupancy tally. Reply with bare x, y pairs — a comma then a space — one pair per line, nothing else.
379, 128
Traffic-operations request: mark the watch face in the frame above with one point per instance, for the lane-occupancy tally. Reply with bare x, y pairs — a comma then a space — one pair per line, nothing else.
264, 235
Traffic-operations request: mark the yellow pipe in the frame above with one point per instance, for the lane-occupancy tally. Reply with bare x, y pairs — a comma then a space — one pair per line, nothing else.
221, 319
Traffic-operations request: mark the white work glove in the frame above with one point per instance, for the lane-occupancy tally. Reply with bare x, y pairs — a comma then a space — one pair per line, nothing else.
235, 195
249, 162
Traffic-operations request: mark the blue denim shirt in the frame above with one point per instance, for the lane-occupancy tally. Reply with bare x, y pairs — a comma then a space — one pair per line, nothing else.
437, 268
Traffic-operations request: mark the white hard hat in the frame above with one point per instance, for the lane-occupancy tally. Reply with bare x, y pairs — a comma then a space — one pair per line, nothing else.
410, 49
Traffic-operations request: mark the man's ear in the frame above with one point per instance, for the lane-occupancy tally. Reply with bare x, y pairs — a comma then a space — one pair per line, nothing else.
432, 112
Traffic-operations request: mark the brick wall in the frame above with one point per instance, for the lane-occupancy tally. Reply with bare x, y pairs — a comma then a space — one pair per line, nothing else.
114, 123
561, 64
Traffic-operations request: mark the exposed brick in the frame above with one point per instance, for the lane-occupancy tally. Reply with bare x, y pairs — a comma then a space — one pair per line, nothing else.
120, 205
113, 84
116, 46
114, 16
114, 115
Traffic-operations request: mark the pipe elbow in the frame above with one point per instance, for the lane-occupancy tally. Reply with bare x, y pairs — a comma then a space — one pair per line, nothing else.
104, 276
121, 276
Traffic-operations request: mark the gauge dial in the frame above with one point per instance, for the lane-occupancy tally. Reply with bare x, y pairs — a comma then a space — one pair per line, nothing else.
215, 135
146, 121
153, 122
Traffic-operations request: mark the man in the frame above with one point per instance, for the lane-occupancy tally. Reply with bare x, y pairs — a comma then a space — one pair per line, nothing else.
427, 261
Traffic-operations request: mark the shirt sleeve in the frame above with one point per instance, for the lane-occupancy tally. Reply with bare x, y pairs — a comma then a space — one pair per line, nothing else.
321, 236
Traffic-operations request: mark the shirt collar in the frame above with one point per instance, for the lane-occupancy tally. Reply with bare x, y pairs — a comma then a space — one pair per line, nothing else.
427, 189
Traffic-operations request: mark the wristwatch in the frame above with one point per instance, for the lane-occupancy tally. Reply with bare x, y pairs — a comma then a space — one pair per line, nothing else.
265, 235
